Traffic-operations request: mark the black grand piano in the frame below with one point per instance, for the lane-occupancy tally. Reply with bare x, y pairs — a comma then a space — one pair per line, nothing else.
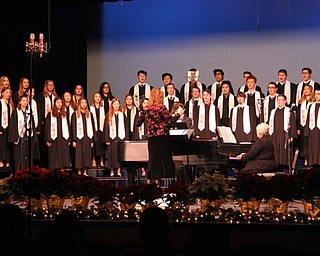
188, 153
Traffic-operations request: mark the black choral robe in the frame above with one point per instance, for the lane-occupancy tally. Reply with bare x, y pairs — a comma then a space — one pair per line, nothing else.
112, 149
83, 146
314, 138
58, 153
240, 135
20, 143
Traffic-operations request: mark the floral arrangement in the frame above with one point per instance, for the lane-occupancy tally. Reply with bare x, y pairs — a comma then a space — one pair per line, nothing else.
6, 191
211, 187
249, 186
80, 185
176, 192
142, 194
25, 182
280, 186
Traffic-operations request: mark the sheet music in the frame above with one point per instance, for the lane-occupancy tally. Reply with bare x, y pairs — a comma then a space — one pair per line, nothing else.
226, 134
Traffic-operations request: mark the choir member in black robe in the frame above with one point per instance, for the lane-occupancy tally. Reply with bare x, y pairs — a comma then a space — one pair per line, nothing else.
170, 99
6, 108
78, 93
216, 87
312, 131
115, 130
140, 90
253, 98
178, 108
306, 79
193, 81
23, 87
243, 120
45, 101
83, 131
167, 79
107, 96
208, 118
57, 136
131, 112
69, 107
192, 106
19, 134
225, 102
283, 130
270, 101
302, 112
244, 88
99, 147
286, 87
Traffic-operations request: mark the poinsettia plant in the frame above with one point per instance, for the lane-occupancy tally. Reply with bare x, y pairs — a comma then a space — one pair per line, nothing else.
207, 186
249, 186
25, 182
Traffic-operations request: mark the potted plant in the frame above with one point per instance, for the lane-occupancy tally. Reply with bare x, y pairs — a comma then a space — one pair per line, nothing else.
307, 187
28, 184
55, 190
249, 190
142, 194
6, 191
81, 189
279, 192
210, 189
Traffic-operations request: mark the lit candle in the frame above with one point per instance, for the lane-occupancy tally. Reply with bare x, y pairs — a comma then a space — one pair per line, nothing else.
31, 39
41, 43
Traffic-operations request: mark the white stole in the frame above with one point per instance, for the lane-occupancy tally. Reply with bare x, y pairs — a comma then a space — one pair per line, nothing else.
202, 117
312, 121
241, 89
5, 115
166, 100
136, 96
220, 104
299, 90
48, 102
285, 122
256, 97
246, 119
113, 126
101, 116
187, 90
214, 90
266, 107
34, 112
22, 122
304, 112
54, 128
80, 131
287, 91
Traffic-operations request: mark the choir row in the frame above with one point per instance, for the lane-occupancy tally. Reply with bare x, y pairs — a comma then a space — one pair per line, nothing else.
206, 107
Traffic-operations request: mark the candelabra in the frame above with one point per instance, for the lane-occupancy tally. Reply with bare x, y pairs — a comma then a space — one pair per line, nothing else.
36, 47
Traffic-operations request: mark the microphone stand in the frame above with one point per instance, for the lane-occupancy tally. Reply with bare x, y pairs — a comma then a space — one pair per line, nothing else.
287, 142
261, 106
32, 48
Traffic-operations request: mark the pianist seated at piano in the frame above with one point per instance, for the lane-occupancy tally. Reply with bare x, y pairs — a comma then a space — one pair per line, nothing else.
261, 157
178, 108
